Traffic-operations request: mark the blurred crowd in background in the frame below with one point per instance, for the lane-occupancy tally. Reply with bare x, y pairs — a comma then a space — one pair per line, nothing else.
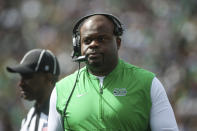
160, 35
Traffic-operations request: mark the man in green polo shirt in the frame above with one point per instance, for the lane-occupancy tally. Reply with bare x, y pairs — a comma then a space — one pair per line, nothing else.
107, 94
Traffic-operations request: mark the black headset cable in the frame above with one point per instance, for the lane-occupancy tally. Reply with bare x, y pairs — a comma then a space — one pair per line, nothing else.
64, 113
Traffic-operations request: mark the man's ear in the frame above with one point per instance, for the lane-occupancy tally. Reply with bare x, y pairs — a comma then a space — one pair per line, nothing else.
49, 78
118, 42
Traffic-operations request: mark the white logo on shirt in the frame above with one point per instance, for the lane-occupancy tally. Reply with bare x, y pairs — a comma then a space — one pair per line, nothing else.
120, 92
79, 95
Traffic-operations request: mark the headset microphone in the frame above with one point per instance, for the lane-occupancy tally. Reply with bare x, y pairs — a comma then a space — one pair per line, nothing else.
80, 59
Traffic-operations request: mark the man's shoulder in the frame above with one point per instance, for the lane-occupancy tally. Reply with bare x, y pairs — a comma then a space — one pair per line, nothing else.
28, 116
136, 69
31, 110
70, 78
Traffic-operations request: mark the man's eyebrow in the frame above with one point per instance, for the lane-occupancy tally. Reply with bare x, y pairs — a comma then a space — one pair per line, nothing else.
86, 37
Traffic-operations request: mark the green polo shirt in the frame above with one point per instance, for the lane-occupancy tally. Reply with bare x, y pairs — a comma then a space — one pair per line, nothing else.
122, 104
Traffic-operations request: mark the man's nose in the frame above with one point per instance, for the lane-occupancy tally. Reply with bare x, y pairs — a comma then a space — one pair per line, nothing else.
94, 44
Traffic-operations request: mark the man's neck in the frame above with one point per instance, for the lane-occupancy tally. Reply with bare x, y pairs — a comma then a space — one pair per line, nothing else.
42, 100
42, 107
103, 71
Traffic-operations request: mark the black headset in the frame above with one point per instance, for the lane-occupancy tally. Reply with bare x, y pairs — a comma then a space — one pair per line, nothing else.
118, 31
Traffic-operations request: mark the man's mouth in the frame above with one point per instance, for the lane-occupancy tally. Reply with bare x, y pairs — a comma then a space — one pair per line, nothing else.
94, 55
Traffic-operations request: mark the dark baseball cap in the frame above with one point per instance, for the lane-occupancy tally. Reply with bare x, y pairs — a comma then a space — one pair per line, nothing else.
37, 60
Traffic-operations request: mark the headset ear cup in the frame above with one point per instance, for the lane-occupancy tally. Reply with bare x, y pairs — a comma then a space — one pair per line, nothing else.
76, 46
119, 31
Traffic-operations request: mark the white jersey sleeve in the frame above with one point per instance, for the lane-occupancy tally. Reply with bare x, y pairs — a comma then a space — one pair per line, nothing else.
162, 115
54, 119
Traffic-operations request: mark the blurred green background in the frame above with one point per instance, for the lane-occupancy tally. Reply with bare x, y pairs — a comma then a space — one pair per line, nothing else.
160, 35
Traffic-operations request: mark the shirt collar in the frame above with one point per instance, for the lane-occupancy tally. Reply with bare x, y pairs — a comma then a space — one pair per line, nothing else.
114, 71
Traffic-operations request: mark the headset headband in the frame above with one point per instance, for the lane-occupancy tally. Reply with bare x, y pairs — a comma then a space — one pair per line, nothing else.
114, 19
